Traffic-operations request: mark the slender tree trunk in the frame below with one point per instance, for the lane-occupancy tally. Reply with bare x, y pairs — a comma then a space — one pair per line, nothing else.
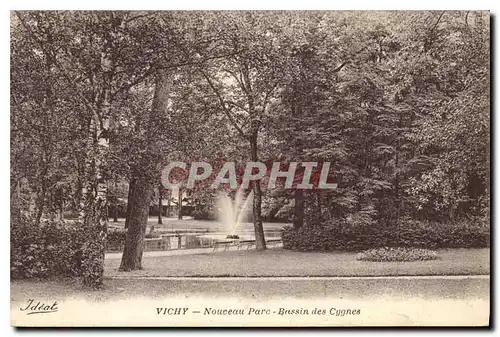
260, 241
40, 200
160, 205
179, 204
298, 209
40, 203
96, 213
46, 142
396, 175
115, 213
299, 96
61, 211
138, 219
15, 199
169, 194
319, 208
396, 184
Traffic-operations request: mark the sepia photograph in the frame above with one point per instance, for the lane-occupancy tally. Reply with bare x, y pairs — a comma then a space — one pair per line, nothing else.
250, 168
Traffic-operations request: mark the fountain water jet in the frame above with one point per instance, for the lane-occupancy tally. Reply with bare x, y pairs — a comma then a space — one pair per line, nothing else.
231, 214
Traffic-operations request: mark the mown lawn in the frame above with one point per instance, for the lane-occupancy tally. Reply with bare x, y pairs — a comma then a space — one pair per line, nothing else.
279, 262
276, 262
262, 289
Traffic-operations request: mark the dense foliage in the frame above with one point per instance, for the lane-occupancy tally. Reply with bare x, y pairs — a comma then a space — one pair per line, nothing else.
50, 248
336, 236
204, 214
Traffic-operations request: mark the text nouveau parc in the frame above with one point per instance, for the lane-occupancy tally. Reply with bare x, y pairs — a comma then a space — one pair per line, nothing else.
260, 311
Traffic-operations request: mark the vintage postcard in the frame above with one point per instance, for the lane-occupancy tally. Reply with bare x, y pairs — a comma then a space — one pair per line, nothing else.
250, 168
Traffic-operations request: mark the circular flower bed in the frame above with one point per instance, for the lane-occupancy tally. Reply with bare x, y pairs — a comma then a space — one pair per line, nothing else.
397, 254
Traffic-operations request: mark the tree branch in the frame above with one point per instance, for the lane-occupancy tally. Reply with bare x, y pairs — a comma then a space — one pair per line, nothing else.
437, 22
222, 103
237, 105
138, 16
238, 80
339, 68
152, 69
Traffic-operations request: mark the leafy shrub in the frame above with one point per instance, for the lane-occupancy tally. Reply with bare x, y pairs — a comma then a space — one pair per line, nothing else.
467, 233
153, 235
116, 237
275, 210
464, 233
203, 214
92, 261
48, 249
394, 254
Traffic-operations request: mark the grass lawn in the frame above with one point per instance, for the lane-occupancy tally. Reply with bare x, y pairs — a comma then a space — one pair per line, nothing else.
276, 262
261, 289
279, 262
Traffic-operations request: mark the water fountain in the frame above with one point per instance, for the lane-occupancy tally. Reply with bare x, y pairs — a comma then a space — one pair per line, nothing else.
231, 213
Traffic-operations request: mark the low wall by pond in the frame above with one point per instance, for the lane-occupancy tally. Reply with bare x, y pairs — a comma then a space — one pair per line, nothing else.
169, 242
184, 241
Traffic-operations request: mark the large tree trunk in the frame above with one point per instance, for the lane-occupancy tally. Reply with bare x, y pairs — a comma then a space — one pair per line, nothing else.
138, 219
131, 186
145, 181
260, 241
298, 209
